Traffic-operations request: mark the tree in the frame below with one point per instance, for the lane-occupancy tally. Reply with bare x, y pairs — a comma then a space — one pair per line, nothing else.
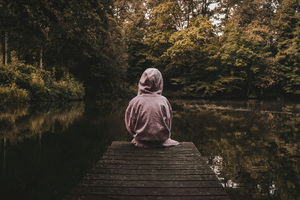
243, 55
162, 24
244, 12
149, 26
288, 23
76, 36
190, 58
25, 25
131, 18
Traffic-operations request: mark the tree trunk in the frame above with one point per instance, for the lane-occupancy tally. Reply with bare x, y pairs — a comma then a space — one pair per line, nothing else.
41, 58
40, 147
5, 55
4, 153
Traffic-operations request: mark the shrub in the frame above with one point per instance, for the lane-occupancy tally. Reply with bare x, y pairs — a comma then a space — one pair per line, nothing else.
68, 88
20, 82
36, 82
13, 94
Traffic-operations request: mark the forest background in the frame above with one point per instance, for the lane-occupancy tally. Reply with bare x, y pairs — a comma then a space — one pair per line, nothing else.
72, 49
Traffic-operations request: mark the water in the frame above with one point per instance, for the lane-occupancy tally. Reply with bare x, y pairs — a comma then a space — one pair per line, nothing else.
252, 146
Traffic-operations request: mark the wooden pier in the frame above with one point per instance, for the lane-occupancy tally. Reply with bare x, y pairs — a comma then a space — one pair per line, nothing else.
128, 172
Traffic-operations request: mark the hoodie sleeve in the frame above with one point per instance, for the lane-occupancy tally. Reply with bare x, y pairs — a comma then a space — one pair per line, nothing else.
130, 118
167, 115
171, 113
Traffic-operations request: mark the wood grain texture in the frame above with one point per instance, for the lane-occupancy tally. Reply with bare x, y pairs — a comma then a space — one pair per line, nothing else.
128, 172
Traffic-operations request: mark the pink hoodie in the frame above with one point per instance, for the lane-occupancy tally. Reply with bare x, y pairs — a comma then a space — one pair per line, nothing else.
148, 117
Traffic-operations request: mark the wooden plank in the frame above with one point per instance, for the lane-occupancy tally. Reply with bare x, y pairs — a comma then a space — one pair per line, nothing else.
150, 159
151, 153
134, 156
145, 167
161, 177
150, 171
124, 146
128, 172
151, 184
152, 162
116, 197
151, 191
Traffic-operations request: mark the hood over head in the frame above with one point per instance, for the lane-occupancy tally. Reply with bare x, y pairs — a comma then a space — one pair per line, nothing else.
151, 82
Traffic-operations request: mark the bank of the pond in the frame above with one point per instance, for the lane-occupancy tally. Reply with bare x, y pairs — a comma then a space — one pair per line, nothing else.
25, 83
270, 96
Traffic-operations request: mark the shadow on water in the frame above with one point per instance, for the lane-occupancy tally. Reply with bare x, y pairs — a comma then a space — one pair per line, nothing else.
252, 146
46, 149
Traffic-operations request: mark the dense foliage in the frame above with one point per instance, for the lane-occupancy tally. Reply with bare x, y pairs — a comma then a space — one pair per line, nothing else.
206, 48
22, 83
214, 48
81, 36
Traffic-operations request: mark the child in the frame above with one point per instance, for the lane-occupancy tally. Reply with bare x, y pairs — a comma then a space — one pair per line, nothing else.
148, 117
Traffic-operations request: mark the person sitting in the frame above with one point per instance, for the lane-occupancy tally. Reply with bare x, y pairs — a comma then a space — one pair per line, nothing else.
148, 117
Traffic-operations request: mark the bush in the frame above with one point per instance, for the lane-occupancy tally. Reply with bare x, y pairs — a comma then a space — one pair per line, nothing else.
20, 82
13, 94
67, 88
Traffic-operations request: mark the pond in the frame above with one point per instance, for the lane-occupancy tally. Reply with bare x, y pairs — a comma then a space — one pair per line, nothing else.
253, 146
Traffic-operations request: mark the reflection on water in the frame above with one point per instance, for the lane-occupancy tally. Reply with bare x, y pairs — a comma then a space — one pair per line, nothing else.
46, 149
252, 147
21, 122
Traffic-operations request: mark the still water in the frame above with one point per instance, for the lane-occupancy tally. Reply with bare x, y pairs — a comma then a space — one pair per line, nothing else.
252, 146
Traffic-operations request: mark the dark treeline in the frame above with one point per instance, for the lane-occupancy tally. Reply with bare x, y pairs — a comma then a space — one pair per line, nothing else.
204, 48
